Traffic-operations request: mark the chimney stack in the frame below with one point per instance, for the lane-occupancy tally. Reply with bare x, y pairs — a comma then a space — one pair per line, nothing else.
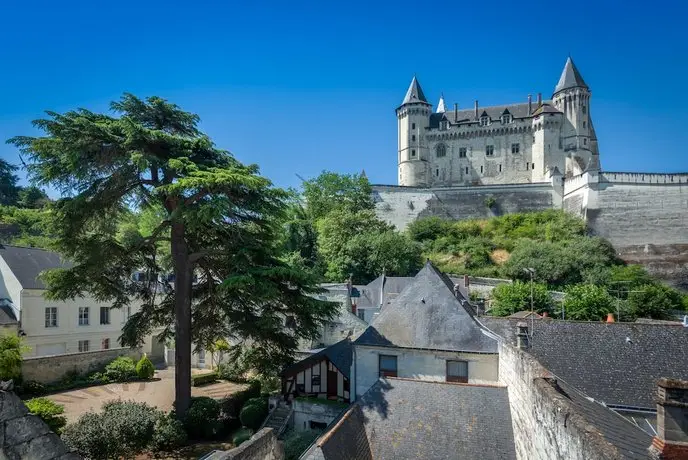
539, 100
610, 317
522, 335
456, 112
671, 441
530, 104
466, 281
476, 109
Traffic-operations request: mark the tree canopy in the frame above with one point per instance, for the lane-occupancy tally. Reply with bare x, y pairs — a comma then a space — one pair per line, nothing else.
217, 219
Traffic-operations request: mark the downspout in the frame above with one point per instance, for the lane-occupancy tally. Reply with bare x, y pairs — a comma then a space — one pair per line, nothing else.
352, 384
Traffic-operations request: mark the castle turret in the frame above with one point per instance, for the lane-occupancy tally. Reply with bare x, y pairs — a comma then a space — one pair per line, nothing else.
572, 97
413, 118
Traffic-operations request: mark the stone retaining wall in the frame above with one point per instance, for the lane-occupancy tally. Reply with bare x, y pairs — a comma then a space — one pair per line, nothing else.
262, 446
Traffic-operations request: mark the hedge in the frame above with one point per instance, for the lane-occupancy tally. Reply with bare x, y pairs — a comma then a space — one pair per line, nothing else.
203, 379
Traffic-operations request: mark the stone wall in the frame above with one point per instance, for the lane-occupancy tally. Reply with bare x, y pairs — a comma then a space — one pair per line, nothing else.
23, 435
262, 446
545, 426
306, 412
48, 369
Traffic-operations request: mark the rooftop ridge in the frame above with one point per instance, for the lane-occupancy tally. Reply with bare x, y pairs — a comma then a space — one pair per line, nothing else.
460, 384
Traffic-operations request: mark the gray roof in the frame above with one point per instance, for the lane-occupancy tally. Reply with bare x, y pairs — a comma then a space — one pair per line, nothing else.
570, 77
630, 441
7, 315
413, 419
28, 263
615, 363
519, 110
381, 290
428, 315
339, 354
414, 93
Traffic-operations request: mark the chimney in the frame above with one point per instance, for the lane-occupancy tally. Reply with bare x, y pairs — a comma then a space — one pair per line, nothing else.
539, 100
476, 109
456, 112
530, 104
522, 335
466, 281
610, 317
671, 441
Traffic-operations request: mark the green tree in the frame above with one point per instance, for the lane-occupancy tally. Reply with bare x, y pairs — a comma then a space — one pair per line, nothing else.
32, 198
654, 301
218, 218
301, 239
510, 298
331, 191
587, 302
11, 351
428, 228
9, 190
25, 227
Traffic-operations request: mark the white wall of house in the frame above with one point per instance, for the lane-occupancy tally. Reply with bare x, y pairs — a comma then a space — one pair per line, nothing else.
65, 337
10, 288
421, 365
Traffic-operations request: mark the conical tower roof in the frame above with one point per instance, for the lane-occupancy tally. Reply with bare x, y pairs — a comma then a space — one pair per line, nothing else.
414, 93
570, 78
441, 108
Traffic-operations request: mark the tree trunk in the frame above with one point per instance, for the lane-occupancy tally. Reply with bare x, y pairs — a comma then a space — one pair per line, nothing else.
182, 324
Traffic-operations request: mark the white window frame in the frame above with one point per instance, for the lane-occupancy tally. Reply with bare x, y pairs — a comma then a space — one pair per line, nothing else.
84, 316
126, 314
107, 315
506, 119
489, 150
84, 345
51, 317
484, 121
105, 343
515, 148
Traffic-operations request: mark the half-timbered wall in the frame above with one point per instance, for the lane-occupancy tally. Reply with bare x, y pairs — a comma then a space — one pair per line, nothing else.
314, 381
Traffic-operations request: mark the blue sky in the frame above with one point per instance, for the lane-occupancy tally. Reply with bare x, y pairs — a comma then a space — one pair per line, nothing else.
299, 87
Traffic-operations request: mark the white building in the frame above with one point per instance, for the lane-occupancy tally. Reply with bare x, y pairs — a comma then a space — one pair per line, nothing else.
52, 327
507, 144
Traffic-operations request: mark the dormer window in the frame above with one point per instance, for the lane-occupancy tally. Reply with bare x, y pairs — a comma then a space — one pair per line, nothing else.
444, 125
506, 118
484, 120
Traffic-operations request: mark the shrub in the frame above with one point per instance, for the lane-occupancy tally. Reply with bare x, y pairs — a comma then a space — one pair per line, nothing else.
269, 384
587, 302
254, 412
50, 412
11, 350
168, 434
297, 442
234, 372
122, 369
144, 368
203, 379
241, 435
122, 429
511, 298
202, 418
31, 388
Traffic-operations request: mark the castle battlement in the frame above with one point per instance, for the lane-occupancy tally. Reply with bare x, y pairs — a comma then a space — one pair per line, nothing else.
644, 178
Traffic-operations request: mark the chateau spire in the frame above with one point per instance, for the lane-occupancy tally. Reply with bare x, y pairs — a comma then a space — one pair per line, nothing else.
440, 105
570, 77
414, 93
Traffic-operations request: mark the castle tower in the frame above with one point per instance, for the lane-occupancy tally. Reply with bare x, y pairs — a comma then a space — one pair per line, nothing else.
413, 117
578, 140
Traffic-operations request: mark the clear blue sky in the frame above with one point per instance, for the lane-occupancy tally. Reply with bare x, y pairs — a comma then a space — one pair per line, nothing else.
301, 87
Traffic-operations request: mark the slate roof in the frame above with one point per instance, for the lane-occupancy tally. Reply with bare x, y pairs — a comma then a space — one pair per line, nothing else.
428, 315
615, 363
381, 291
340, 354
414, 93
631, 441
28, 263
7, 315
413, 419
519, 110
570, 77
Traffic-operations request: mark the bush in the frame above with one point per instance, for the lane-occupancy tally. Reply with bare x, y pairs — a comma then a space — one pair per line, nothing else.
587, 302
269, 384
11, 350
122, 429
511, 298
254, 412
144, 368
202, 418
31, 388
50, 412
122, 369
297, 442
241, 435
234, 372
168, 434
203, 379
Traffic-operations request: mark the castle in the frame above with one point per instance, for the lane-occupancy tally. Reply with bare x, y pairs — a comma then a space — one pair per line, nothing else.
542, 154
505, 144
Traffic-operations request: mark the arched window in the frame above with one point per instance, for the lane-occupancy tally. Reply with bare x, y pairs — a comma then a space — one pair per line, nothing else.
441, 150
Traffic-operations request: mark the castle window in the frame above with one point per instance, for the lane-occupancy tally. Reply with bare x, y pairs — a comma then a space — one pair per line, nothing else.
481, 170
489, 150
584, 109
413, 137
500, 168
527, 165
413, 153
584, 124
462, 152
413, 126
437, 172
506, 118
441, 150
466, 169
585, 141
515, 148
484, 121
532, 166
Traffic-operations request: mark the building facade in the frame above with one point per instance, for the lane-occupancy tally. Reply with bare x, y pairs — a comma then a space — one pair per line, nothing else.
507, 144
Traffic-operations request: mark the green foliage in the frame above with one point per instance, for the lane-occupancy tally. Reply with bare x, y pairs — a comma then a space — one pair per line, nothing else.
508, 299
336, 192
254, 412
588, 302
269, 384
31, 388
26, 227
122, 429
490, 202
654, 301
50, 412
32, 198
122, 369
202, 419
428, 228
204, 379
144, 368
241, 435
9, 190
168, 434
11, 351
296, 443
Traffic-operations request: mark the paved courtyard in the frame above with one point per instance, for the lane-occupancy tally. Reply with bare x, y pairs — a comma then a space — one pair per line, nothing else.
159, 393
